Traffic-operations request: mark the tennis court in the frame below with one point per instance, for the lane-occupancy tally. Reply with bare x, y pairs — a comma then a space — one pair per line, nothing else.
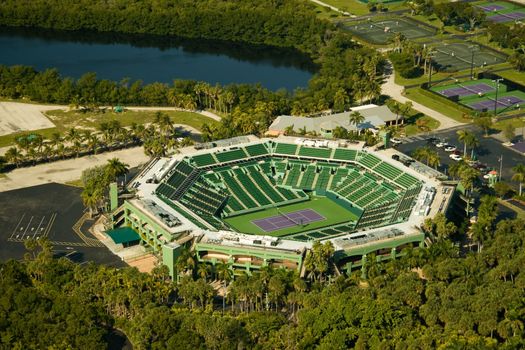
380, 31
502, 12
296, 218
452, 57
319, 211
469, 88
506, 101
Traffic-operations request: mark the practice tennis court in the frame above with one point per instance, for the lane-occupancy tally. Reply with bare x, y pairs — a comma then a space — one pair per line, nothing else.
502, 12
468, 88
316, 213
381, 31
452, 57
506, 101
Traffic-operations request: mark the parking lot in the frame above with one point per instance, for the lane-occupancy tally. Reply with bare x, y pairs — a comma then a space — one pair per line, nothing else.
51, 211
488, 152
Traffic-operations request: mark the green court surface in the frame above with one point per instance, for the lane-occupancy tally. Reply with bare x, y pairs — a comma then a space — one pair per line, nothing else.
453, 57
333, 212
380, 30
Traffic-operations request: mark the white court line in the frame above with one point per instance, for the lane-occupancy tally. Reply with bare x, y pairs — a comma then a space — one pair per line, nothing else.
40, 224
28, 224
16, 228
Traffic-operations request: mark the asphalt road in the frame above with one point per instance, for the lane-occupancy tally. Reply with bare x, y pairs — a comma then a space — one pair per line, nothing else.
51, 211
489, 151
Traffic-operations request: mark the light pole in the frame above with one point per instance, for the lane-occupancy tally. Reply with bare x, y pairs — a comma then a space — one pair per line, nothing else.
429, 70
496, 97
500, 166
472, 47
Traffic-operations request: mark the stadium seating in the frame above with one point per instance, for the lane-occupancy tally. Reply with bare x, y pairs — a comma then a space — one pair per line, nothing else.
245, 178
406, 181
286, 148
202, 160
231, 155
315, 152
369, 160
387, 171
256, 150
345, 154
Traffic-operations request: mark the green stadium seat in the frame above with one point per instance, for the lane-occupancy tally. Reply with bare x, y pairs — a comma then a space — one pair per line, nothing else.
315, 152
232, 155
286, 148
345, 154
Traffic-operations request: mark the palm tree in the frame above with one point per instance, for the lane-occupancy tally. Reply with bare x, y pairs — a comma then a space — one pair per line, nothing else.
356, 118
473, 142
519, 175
91, 197
465, 136
225, 274
203, 271
396, 108
115, 168
428, 155
14, 156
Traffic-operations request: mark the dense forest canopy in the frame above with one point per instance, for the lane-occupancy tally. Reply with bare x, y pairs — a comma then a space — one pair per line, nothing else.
436, 297
285, 23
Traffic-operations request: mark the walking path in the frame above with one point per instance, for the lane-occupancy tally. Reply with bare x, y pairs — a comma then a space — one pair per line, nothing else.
395, 91
67, 170
324, 4
204, 113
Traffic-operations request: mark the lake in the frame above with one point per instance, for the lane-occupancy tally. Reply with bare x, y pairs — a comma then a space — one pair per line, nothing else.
150, 58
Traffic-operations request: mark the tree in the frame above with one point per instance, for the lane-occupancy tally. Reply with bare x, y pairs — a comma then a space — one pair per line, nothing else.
519, 175
465, 136
116, 168
484, 122
428, 155
509, 132
356, 118
14, 156
91, 197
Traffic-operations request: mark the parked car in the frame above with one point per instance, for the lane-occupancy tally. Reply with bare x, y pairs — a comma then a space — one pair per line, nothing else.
455, 157
441, 144
396, 141
433, 140
395, 156
450, 148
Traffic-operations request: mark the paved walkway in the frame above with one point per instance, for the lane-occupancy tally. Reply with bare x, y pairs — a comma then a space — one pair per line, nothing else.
324, 4
395, 91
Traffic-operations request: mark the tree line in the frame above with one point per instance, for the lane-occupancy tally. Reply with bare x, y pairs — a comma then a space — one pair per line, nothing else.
443, 296
284, 23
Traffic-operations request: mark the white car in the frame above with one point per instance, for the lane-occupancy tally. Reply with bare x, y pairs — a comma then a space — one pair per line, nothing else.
440, 144
396, 141
455, 157
450, 148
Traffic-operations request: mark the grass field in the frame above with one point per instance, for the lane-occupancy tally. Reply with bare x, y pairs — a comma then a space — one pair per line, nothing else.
333, 213
441, 104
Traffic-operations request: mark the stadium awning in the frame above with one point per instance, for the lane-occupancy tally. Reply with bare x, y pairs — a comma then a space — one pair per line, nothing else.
123, 235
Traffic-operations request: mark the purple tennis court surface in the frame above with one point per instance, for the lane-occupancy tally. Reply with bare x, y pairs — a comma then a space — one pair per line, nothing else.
296, 218
467, 90
489, 8
506, 101
507, 17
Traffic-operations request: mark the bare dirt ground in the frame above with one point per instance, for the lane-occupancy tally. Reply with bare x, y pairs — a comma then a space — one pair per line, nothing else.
145, 263
67, 170
15, 117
